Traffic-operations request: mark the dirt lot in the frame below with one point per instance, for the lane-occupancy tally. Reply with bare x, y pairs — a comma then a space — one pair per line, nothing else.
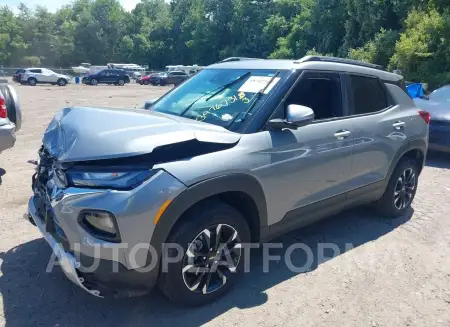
396, 274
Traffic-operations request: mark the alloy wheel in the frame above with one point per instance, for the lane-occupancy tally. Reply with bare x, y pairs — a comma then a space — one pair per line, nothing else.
211, 258
404, 189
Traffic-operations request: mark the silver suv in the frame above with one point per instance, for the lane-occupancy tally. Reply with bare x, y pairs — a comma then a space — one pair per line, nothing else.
241, 152
34, 76
10, 116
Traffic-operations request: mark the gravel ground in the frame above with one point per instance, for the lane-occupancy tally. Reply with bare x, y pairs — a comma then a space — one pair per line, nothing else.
397, 273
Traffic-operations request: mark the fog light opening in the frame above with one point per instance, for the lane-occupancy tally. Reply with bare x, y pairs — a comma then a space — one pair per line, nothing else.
101, 224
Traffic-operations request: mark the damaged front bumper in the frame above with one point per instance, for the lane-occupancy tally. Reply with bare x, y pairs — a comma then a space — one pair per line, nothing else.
120, 268
67, 261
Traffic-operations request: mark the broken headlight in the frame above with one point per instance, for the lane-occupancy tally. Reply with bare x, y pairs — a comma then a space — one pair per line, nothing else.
125, 180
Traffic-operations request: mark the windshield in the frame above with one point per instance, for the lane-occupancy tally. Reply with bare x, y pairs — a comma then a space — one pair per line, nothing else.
224, 97
441, 94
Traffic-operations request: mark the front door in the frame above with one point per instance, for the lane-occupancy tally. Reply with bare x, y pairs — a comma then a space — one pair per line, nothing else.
312, 163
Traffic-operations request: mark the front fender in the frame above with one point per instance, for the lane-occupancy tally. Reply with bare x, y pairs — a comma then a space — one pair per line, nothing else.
202, 190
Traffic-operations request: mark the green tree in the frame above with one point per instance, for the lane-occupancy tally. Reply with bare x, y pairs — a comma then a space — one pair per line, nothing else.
379, 50
12, 44
422, 53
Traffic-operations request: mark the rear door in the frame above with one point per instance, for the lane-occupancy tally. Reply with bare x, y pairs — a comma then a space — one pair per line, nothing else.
48, 76
36, 73
108, 76
380, 129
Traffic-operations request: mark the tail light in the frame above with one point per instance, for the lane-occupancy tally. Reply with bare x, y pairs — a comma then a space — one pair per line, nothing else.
425, 116
3, 111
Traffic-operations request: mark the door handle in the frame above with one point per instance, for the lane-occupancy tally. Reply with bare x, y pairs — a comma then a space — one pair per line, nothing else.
342, 134
398, 124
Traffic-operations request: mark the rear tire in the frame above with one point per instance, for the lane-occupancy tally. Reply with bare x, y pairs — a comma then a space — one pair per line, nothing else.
197, 232
32, 81
400, 191
145, 82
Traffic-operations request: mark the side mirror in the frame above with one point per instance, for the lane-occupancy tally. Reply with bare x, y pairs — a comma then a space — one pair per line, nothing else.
149, 103
296, 116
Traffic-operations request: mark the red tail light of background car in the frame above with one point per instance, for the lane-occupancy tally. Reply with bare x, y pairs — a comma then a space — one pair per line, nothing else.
3, 111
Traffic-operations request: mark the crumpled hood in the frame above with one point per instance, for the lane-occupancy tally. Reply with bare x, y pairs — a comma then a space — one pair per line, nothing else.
84, 134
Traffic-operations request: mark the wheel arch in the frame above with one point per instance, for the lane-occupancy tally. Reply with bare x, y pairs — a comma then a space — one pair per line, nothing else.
414, 149
242, 191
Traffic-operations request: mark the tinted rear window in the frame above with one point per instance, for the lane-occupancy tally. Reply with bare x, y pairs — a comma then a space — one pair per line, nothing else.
368, 95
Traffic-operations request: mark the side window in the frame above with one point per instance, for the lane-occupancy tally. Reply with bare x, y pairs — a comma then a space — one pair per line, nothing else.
321, 92
36, 71
368, 95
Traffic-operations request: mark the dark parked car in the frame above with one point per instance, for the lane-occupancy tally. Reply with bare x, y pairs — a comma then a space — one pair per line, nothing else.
107, 76
437, 104
17, 75
174, 78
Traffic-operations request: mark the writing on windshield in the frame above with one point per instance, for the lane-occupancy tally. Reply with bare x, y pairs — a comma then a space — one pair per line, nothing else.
222, 97
224, 103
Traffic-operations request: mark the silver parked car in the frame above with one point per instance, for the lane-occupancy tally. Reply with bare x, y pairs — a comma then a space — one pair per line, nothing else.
34, 76
10, 116
241, 152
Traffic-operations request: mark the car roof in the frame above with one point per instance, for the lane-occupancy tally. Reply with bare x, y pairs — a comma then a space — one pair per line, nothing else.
443, 87
305, 64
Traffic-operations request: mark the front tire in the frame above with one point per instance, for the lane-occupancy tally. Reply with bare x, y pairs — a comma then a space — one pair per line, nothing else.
62, 82
210, 266
94, 81
400, 191
121, 82
145, 82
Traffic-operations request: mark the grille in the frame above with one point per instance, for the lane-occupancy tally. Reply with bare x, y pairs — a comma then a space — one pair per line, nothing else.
43, 174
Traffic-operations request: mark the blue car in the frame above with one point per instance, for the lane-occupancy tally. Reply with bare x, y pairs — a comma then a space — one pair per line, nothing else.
438, 105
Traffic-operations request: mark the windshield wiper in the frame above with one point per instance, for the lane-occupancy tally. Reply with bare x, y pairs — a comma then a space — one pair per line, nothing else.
223, 87
256, 98
215, 92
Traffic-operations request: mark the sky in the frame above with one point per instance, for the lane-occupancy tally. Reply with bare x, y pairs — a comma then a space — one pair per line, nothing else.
53, 5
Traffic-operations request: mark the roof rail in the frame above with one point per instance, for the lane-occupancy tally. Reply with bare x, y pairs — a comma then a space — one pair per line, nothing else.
237, 59
341, 61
